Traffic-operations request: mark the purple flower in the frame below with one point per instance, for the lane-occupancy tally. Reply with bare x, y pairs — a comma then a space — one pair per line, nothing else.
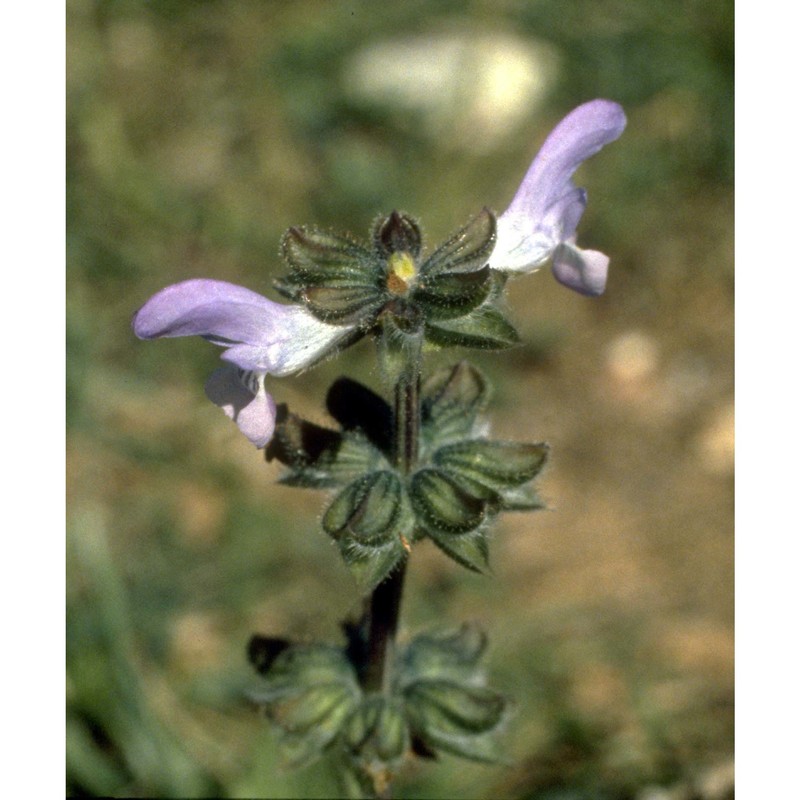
261, 338
540, 223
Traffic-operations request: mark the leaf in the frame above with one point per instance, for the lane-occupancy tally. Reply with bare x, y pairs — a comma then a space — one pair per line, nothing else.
308, 691
372, 521
483, 748
334, 276
391, 735
478, 489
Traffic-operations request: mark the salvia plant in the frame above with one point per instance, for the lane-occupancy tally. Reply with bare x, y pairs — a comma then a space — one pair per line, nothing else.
416, 464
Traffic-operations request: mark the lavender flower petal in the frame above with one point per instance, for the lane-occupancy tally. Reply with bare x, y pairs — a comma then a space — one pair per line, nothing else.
565, 214
261, 335
220, 311
581, 134
254, 413
585, 271
309, 340
304, 341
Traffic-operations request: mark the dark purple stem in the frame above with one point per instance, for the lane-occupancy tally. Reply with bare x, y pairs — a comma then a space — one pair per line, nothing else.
384, 605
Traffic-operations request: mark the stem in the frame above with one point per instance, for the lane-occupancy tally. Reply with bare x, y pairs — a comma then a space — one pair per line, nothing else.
406, 420
384, 605
384, 614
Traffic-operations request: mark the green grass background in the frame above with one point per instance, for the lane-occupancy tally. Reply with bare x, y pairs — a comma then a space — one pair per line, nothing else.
197, 132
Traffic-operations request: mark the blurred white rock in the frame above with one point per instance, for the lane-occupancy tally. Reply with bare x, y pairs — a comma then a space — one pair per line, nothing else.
473, 90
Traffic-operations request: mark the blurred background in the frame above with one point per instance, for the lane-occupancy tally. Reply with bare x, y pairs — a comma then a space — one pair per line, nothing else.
198, 131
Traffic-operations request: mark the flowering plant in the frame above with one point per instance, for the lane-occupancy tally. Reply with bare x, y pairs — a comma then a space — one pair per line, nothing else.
418, 466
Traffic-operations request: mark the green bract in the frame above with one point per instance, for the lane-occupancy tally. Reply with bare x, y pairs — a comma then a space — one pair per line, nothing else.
309, 692
446, 701
450, 298
443, 655
436, 702
461, 481
376, 736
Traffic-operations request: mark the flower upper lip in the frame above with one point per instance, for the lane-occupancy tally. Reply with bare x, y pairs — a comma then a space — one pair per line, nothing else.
541, 220
258, 333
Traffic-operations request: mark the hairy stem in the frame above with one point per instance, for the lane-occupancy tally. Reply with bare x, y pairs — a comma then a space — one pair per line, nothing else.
384, 605
406, 420
384, 614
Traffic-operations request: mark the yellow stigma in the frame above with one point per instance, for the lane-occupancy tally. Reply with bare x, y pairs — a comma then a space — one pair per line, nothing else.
402, 272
